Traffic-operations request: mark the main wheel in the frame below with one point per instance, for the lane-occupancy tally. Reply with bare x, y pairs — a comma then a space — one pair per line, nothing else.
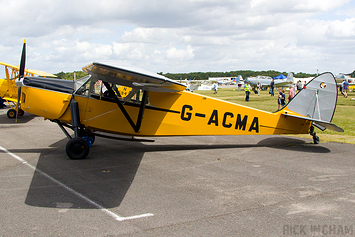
21, 112
77, 148
11, 113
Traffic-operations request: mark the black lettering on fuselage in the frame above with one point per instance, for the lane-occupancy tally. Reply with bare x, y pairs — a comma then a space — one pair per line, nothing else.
240, 124
227, 114
186, 116
254, 125
213, 118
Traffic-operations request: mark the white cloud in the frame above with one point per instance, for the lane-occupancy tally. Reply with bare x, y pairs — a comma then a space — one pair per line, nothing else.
342, 29
180, 54
181, 36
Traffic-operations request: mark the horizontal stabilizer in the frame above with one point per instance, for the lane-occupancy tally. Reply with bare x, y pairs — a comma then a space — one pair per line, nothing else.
319, 123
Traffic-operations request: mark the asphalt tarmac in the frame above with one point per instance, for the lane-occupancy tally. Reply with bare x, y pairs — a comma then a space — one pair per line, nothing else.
176, 186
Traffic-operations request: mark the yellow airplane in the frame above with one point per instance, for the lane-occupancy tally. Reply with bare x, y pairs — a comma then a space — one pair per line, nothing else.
157, 106
8, 89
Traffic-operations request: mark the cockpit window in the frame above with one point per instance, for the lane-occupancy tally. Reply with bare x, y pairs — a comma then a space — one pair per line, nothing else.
96, 89
82, 86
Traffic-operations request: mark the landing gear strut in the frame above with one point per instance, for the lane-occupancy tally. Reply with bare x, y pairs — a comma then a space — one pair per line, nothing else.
79, 146
314, 135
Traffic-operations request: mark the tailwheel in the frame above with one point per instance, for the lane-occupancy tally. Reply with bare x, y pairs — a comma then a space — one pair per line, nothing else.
77, 148
11, 113
314, 135
315, 139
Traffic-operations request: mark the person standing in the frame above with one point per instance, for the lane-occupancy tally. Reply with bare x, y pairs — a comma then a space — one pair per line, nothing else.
215, 88
247, 89
299, 86
272, 86
291, 92
258, 86
281, 99
239, 85
345, 87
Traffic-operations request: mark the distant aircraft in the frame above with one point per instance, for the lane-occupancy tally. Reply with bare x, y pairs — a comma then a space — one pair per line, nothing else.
193, 85
265, 81
9, 90
341, 78
226, 80
158, 106
236, 80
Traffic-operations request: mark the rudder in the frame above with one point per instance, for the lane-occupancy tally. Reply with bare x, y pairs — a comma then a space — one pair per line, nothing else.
317, 100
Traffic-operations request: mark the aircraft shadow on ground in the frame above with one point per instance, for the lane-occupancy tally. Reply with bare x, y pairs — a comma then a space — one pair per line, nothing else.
280, 142
107, 174
24, 119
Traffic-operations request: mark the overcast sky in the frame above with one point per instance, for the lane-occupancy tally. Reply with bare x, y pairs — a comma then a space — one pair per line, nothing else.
180, 35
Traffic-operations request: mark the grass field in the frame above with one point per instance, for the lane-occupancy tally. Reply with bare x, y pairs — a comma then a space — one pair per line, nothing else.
344, 115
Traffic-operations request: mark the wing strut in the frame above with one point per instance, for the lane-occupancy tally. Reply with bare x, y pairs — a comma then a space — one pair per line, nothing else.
136, 126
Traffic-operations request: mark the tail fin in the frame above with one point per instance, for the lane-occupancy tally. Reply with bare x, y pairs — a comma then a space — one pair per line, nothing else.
290, 76
317, 101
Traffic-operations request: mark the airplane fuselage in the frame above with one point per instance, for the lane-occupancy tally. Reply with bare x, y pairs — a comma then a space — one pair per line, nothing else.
167, 114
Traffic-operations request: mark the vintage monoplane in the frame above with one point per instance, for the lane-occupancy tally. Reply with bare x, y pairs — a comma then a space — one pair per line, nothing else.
9, 90
265, 81
154, 105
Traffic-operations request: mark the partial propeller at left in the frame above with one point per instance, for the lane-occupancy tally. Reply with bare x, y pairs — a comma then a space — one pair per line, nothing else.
20, 78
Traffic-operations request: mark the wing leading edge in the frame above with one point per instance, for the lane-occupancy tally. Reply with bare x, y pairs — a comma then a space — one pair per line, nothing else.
29, 71
133, 77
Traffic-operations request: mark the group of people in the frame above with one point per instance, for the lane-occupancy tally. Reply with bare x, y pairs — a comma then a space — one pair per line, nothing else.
281, 100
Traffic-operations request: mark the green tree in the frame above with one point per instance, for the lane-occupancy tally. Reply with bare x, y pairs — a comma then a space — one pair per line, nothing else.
70, 75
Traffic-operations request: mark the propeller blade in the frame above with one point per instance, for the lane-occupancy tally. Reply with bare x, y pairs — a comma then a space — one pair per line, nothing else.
23, 61
21, 75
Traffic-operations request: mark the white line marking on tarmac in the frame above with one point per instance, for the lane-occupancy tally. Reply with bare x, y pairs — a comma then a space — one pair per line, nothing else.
98, 206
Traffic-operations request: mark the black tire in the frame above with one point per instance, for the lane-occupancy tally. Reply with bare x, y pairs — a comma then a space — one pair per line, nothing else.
315, 139
11, 113
21, 113
77, 148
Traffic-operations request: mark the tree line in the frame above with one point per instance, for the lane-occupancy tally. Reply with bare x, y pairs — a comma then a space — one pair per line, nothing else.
204, 75
70, 75
243, 73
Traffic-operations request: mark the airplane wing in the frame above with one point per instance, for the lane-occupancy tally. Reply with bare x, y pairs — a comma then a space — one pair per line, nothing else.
341, 84
29, 71
133, 77
10, 99
322, 125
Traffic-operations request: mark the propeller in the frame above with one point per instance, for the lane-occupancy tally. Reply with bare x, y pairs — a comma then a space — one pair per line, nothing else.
20, 77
